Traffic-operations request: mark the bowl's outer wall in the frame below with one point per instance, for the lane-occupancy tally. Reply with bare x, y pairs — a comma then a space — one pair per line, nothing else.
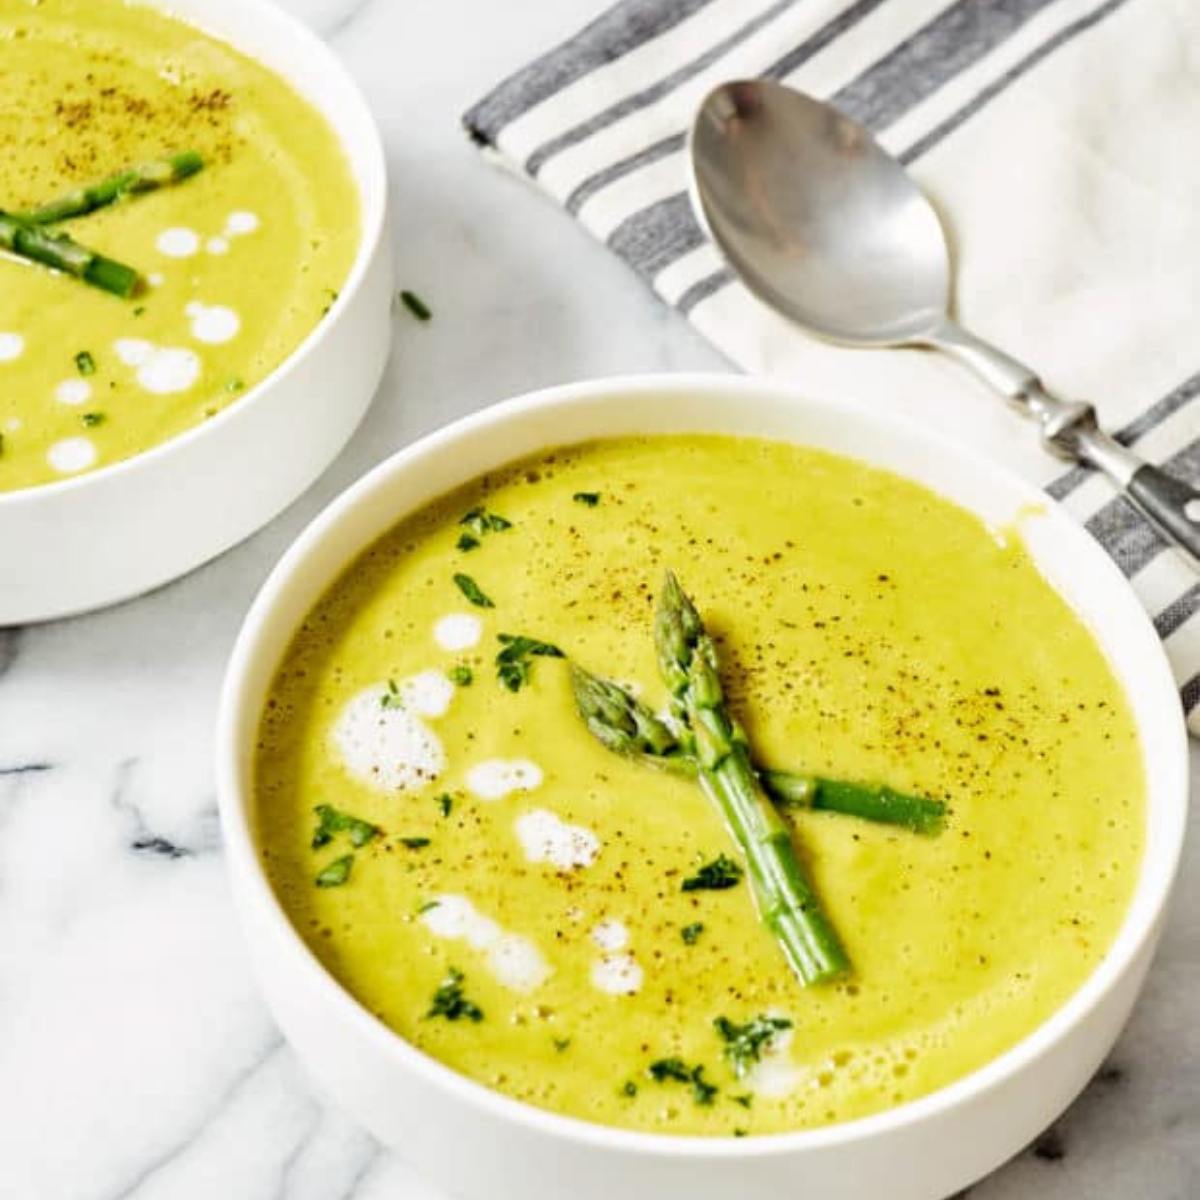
479, 1145
118, 532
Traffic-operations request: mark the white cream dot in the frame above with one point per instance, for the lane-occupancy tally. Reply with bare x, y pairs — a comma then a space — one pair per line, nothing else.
73, 391
71, 455
178, 242
156, 279
217, 245
611, 935
213, 323
617, 974
241, 222
495, 778
11, 346
12, 424
546, 837
160, 369
458, 631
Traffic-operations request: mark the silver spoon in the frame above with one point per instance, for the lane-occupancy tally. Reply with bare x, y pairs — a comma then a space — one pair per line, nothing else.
823, 225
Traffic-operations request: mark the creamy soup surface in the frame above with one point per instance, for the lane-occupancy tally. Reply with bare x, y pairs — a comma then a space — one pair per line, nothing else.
240, 261
530, 881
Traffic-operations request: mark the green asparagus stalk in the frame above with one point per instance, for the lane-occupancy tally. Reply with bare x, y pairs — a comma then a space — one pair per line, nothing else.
626, 726
872, 802
147, 177
787, 904
63, 254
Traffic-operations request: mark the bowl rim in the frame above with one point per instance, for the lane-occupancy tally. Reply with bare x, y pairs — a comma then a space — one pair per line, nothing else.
1137, 930
372, 194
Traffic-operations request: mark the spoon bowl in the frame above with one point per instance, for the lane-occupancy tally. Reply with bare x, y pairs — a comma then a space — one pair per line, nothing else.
819, 220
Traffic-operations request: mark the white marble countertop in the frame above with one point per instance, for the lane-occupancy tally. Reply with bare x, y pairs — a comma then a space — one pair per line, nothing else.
136, 1058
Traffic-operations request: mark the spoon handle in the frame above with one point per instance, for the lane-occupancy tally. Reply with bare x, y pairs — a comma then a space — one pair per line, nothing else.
1070, 429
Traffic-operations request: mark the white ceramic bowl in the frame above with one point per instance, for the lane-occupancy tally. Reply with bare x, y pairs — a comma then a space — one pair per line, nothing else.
101, 537
480, 1144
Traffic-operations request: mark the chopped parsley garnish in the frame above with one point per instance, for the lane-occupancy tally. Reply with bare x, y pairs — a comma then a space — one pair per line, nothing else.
141, 308
745, 1099
478, 521
461, 676
391, 698
85, 364
629, 1088
234, 385
414, 843
744, 1044
336, 873
591, 499
560, 1044
428, 906
445, 803
513, 663
449, 1001
691, 933
92, 419
714, 876
467, 541
415, 305
331, 821
473, 591
676, 1070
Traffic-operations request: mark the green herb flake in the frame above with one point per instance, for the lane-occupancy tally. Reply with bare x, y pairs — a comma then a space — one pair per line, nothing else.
714, 876
139, 310
449, 1001
466, 541
591, 499
461, 676
332, 821
513, 662
478, 522
745, 1099
85, 364
391, 698
445, 803
415, 843
741, 1133
1, 444
234, 385
677, 1071
629, 1088
415, 305
336, 873
428, 906
473, 592
560, 1044
691, 933
92, 419
744, 1044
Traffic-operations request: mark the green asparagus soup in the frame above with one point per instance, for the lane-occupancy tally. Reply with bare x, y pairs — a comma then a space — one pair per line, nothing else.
570, 911
229, 266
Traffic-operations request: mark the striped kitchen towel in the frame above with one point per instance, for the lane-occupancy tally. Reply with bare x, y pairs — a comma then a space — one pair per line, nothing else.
1057, 138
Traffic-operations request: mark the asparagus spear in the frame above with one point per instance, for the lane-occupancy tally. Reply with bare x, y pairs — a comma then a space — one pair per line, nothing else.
626, 726
144, 178
63, 254
787, 904
872, 802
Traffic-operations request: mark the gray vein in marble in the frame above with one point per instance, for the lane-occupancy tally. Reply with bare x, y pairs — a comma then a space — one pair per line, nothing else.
163, 1160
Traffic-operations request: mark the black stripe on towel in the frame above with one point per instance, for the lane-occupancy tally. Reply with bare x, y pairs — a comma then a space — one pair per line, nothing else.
1190, 693
1178, 611
612, 35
